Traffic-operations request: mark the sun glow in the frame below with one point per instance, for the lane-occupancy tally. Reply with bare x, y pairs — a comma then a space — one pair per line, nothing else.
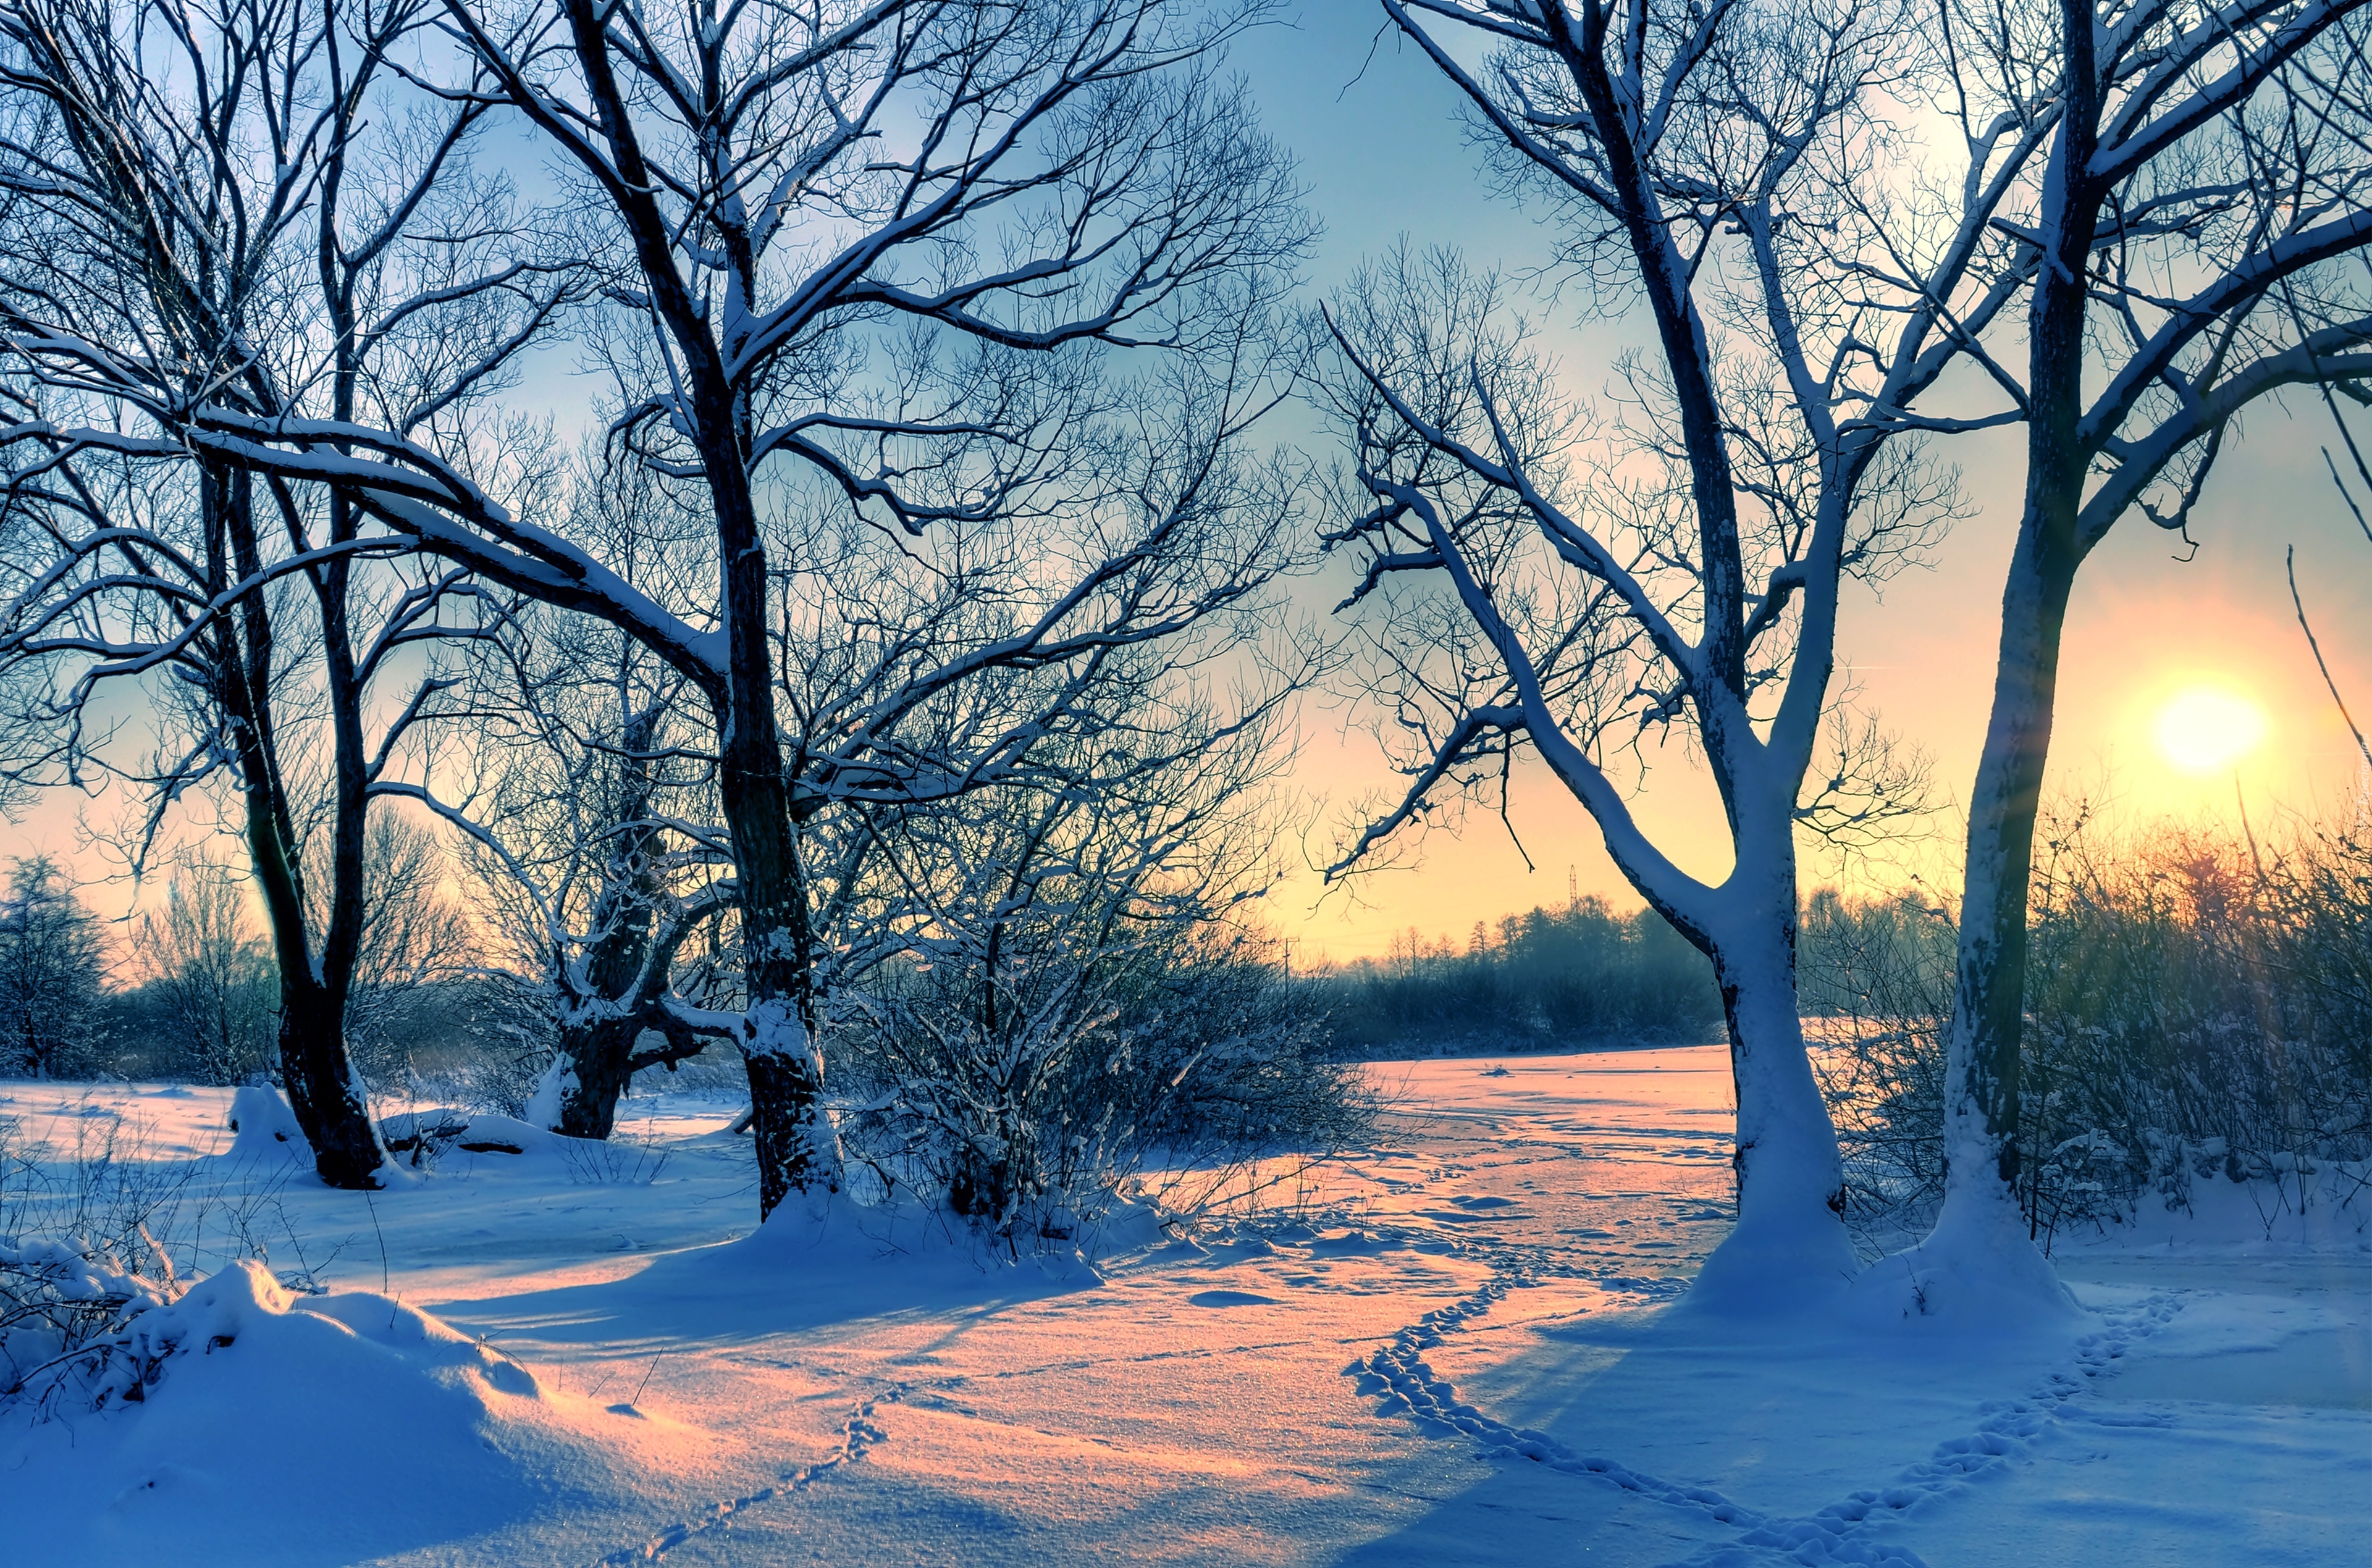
2206, 728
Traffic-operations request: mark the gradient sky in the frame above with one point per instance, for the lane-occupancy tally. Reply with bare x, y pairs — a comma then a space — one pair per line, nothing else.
1384, 154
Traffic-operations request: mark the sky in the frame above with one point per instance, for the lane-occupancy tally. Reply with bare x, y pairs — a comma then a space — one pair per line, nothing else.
1384, 154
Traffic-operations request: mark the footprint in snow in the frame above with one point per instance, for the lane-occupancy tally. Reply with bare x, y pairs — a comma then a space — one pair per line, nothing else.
1229, 1299
1485, 1203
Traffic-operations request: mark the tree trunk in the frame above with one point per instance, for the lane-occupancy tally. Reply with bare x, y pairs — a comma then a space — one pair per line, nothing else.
1980, 1077
1790, 1238
796, 1149
1981, 1108
600, 1057
600, 1053
322, 1091
1980, 1261
330, 1105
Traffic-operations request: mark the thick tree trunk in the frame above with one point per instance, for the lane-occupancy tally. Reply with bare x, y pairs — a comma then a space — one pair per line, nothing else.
795, 1147
796, 1151
322, 1091
1789, 1241
600, 1053
600, 1057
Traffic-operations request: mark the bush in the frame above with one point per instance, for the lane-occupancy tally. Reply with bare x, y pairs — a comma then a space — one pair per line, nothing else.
95, 1249
1029, 1097
2197, 1006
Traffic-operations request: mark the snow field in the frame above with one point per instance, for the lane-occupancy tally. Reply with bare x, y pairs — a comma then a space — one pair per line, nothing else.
1456, 1348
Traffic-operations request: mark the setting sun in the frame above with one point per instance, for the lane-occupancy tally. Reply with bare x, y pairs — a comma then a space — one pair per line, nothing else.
2206, 728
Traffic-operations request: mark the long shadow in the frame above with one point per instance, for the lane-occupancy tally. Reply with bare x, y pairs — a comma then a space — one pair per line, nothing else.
1630, 1440
791, 1276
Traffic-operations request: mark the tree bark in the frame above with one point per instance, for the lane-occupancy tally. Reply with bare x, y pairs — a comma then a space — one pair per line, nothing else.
600, 1053
1981, 1074
322, 1089
328, 1103
779, 1044
600, 1058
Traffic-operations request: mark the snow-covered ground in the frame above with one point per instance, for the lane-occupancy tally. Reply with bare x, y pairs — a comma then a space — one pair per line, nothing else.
1456, 1347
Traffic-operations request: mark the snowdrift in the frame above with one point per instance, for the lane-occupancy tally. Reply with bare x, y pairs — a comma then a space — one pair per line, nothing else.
337, 1428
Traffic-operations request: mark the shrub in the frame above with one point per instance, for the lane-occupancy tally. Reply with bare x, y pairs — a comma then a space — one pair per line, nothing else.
1028, 1096
95, 1249
2197, 1006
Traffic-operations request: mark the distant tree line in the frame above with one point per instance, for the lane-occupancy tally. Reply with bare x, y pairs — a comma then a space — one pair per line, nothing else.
1584, 975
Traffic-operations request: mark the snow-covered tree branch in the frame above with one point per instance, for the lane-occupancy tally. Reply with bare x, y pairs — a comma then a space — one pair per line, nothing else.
1542, 573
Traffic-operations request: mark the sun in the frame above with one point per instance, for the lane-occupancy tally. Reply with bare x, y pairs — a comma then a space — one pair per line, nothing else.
2206, 728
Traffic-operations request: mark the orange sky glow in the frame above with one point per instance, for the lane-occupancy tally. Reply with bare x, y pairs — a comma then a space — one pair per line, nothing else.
1383, 157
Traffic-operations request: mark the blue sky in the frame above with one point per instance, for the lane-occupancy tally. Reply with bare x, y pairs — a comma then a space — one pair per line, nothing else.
1385, 152
1382, 149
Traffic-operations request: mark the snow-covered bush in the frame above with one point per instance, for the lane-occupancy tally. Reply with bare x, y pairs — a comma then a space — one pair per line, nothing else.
80, 1261
1029, 1100
95, 1243
69, 1324
2198, 1008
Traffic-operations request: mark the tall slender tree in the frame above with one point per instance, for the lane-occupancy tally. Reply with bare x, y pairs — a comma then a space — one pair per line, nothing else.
2188, 233
239, 212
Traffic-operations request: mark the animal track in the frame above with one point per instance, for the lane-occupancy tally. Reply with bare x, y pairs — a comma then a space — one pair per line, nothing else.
1398, 1378
858, 1434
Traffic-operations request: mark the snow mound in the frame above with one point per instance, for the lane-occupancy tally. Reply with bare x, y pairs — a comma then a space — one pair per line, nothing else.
358, 1425
263, 1127
829, 1260
1774, 1268
1977, 1274
423, 1133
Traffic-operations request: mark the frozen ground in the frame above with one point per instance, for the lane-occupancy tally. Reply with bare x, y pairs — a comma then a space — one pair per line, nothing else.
1456, 1349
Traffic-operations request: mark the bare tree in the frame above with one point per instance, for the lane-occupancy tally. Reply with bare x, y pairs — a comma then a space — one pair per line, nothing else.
2185, 217
585, 802
416, 942
229, 219
880, 247
910, 681
213, 973
1542, 575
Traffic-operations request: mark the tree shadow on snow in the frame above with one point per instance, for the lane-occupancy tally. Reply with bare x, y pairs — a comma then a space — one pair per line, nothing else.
1651, 1439
795, 1273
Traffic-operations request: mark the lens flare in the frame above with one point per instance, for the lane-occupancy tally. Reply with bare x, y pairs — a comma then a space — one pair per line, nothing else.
2206, 729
